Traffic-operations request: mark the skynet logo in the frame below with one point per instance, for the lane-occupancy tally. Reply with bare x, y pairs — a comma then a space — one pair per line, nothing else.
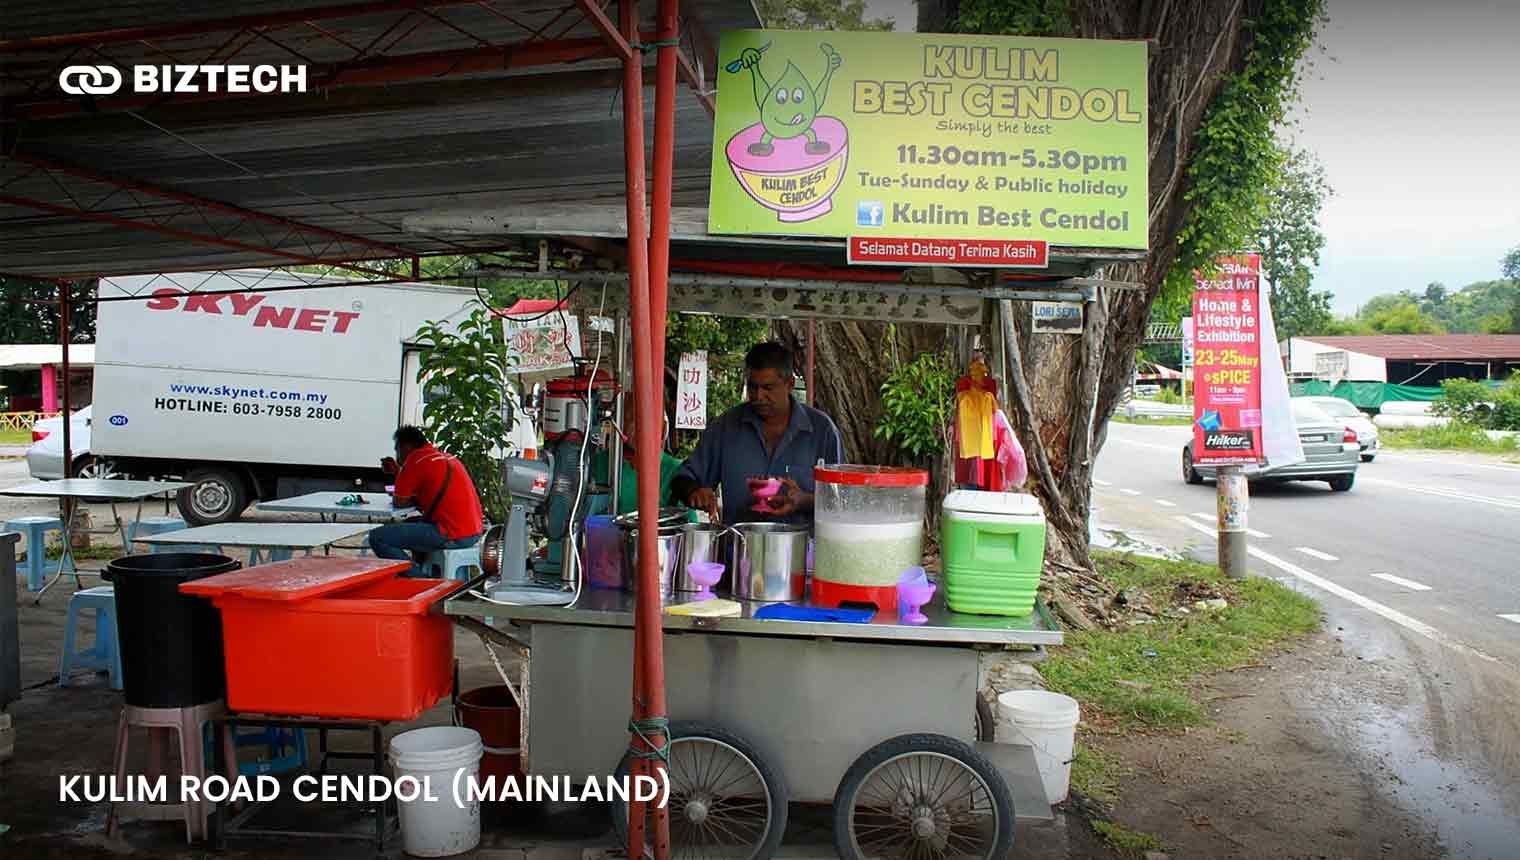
107, 80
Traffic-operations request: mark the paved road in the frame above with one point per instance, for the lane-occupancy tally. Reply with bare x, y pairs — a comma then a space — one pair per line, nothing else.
1418, 568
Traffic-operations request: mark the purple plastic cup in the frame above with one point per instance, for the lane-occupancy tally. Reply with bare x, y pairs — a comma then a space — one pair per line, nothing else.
913, 591
705, 574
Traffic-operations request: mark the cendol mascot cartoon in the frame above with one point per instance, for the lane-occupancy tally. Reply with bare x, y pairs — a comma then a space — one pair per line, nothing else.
789, 106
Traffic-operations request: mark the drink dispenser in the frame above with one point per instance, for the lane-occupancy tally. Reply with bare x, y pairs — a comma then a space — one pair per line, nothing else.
868, 529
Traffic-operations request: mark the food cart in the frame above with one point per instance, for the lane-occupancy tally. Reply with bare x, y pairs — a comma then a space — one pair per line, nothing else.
883, 720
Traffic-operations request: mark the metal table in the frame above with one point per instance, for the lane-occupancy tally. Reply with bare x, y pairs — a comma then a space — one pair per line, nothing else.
811, 698
266, 542
110, 490
325, 505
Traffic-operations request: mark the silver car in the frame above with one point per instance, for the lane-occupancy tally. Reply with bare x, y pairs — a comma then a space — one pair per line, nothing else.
44, 460
1356, 419
1331, 453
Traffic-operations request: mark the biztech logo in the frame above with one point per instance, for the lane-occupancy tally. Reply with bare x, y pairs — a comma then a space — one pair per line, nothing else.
109, 80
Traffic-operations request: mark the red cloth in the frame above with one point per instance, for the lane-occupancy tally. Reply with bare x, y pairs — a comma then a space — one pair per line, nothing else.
458, 514
974, 471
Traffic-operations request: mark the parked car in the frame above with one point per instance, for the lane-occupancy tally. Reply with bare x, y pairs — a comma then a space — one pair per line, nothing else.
44, 460
1356, 419
1331, 451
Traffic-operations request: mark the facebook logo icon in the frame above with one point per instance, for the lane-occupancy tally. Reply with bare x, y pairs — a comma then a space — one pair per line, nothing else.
868, 213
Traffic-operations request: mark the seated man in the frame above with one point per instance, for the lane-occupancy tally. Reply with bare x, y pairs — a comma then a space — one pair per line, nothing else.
439, 486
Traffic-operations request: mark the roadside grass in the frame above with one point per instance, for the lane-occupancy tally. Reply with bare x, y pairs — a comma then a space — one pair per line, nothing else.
1096, 774
1141, 677
16, 437
1130, 844
93, 552
1166, 421
1453, 436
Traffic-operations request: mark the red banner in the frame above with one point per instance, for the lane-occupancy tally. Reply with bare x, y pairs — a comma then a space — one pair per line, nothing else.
1227, 363
982, 253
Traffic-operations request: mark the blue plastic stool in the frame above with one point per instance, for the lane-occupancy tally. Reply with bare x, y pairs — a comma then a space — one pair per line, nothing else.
37, 565
104, 654
452, 563
287, 750
153, 526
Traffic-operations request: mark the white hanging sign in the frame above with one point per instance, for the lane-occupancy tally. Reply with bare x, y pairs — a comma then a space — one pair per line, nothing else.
691, 391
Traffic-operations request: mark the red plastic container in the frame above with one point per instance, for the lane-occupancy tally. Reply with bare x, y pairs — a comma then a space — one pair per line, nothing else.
333, 637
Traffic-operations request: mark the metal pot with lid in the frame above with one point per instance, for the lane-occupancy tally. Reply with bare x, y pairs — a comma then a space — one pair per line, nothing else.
670, 527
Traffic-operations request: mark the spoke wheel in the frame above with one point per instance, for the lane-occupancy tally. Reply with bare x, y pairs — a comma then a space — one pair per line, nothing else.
922, 796
725, 802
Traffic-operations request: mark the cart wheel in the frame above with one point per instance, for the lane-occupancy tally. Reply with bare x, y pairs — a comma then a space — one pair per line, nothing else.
725, 801
922, 795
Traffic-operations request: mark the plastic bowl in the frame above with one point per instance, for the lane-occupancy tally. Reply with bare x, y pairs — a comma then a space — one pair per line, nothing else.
705, 574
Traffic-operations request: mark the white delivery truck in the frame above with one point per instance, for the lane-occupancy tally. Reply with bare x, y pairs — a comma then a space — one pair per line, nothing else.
260, 393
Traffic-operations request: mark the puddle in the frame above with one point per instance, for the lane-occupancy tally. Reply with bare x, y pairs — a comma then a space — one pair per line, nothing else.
1103, 535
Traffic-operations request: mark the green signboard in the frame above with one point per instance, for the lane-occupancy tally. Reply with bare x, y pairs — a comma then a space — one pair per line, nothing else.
858, 134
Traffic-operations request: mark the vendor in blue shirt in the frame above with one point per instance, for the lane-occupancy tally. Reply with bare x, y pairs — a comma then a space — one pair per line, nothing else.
770, 435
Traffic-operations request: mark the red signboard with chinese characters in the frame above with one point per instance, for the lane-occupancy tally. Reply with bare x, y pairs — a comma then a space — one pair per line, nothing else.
1227, 426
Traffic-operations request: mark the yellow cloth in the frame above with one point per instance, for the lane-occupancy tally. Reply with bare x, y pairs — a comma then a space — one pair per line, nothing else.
974, 410
715, 608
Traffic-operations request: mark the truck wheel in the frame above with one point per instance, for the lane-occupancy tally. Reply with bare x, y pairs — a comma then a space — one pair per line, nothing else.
1343, 483
215, 496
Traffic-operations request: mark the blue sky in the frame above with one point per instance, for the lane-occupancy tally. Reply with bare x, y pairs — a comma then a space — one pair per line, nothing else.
1413, 106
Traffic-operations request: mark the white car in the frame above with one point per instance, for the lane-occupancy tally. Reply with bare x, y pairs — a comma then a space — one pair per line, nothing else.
45, 458
1356, 419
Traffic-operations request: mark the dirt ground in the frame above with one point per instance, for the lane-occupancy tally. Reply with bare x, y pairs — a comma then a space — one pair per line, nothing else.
1269, 779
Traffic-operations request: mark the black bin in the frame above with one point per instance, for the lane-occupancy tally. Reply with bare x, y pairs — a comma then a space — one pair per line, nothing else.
171, 643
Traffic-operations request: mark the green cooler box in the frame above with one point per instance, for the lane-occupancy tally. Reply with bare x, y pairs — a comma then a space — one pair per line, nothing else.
993, 545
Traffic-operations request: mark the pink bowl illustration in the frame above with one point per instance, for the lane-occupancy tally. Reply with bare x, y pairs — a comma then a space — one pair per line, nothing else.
796, 185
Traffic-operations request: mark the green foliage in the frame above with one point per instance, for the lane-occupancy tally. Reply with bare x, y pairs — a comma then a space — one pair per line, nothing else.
1170, 397
1095, 774
1290, 240
1403, 318
1237, 159
917, 402
1130, 844
1483, 307
1509, 266
819, 15
726, 339
464, 374
1479, 406
1015, 17
1158, 662
29, 311
1457, 435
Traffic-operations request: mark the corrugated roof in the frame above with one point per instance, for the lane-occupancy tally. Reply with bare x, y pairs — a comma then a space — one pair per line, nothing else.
1428, 347
353, 159
21, 356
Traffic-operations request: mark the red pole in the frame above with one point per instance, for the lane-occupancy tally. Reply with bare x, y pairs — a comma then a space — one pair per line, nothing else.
667, 32
649, 665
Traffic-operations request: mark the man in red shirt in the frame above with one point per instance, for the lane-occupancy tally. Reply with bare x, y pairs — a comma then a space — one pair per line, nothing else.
439, 486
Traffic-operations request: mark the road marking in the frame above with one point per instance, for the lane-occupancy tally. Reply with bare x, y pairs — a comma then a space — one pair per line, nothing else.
1411, 624
1128, 492
1208, 518
1102, 483
1168, 448
1514, 618
1400, 581
1448, 493
1314, 553
1258, 535
1165, 504
1213, 518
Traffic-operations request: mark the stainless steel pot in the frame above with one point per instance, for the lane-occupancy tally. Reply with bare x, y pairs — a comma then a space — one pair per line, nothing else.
701, 542
668, 540
768, 561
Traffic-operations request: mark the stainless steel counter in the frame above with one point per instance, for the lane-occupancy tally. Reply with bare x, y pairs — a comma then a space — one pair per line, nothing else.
615, 609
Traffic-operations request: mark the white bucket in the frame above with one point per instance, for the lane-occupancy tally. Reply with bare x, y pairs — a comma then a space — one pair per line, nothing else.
443, 756
1047, 722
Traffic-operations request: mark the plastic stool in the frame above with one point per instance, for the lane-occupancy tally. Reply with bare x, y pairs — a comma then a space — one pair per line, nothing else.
36, 529
189, 725
452, 563
104, 655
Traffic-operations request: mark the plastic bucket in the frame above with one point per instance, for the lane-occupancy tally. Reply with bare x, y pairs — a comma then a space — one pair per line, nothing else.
1047, 722
439, 758
171, 643
494, 714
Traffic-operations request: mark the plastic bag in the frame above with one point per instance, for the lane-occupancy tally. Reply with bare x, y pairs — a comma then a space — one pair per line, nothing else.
1010, 454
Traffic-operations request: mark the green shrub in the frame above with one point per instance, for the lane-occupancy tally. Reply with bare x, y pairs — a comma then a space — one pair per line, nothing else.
1465, 401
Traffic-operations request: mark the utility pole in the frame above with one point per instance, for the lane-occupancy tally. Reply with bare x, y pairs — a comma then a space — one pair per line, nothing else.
1234, 499
66, 504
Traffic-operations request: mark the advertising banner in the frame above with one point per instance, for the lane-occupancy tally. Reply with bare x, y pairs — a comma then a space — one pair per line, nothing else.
1227, 367
691, 391
908, 136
